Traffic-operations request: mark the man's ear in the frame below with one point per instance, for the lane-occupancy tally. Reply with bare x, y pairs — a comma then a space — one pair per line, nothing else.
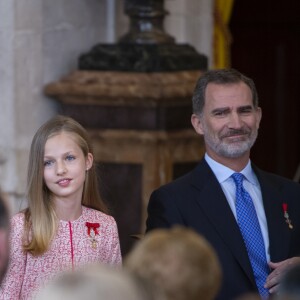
197, 124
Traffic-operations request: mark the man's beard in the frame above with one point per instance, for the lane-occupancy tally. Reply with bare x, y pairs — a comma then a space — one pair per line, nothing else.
231, 149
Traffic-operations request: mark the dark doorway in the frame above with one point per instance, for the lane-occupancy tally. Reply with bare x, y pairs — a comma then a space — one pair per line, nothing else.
120, 186
266, 47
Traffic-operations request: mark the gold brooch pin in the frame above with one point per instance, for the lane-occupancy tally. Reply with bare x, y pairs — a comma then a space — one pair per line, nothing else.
286, 215
92, 232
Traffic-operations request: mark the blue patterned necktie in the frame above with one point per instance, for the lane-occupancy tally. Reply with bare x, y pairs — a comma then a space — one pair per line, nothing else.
250, 229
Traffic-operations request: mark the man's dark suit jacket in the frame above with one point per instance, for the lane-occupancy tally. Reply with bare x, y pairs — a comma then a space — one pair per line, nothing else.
196, 200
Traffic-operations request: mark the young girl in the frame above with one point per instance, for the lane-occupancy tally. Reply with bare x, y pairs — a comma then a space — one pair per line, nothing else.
64, 226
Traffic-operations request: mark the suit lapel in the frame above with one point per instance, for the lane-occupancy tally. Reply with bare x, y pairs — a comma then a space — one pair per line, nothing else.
279, 233
214, 205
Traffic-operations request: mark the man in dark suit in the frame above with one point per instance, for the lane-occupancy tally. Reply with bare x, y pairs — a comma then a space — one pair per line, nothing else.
226, 113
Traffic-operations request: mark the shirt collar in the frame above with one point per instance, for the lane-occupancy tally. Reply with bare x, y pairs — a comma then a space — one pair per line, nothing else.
223, 173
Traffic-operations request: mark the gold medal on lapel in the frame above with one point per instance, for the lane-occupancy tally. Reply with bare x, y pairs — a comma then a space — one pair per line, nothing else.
92, 232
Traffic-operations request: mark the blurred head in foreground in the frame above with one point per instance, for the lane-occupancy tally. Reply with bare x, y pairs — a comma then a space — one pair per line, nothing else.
179, 262
97, 282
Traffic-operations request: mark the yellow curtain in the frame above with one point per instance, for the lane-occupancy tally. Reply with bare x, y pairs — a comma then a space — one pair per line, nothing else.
222, 37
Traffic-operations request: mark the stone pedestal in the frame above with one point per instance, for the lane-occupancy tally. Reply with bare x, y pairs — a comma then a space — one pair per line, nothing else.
140, 128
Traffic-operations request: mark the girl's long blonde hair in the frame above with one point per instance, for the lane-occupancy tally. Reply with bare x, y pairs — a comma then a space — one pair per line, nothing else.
40, 218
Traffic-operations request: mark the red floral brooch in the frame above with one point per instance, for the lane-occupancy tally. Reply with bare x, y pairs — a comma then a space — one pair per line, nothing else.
92, 231
286, 215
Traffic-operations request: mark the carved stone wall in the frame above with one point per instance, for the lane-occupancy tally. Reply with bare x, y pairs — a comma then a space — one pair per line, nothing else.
40, 41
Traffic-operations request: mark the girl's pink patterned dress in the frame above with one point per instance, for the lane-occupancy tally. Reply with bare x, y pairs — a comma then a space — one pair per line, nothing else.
72, 247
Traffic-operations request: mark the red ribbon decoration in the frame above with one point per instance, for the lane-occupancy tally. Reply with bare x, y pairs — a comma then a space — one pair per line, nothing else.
284, 206
286, 215
93, 226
